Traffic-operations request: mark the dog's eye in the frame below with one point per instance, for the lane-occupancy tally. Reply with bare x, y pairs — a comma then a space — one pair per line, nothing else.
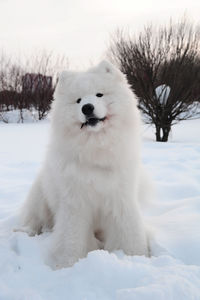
78, 100
99, 95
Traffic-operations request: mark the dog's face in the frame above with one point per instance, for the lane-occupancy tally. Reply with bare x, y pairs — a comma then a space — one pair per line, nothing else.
92, 100
92, 109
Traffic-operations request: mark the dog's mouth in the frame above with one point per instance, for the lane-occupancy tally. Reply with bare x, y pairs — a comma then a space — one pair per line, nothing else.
92, 121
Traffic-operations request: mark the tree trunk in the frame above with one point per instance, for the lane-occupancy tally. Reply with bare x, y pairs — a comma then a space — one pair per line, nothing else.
166, 131
158, 136
21, 116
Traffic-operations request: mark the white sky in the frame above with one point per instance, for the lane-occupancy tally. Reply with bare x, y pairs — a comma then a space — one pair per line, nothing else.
80, 29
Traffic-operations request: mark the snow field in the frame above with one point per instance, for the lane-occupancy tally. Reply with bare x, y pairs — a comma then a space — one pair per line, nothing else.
173, 272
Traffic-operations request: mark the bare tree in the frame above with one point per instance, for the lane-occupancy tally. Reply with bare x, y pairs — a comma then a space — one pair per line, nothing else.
10, 86
163, 68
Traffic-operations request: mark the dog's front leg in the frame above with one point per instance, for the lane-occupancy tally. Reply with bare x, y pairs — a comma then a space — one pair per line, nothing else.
126, 232
70, 237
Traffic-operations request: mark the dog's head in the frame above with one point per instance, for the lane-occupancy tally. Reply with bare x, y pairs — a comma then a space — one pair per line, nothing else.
91, 100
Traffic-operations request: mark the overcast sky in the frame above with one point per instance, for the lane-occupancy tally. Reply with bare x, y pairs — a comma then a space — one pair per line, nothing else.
80, 29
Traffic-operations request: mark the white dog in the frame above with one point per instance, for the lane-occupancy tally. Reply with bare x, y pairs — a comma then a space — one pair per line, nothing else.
89, 187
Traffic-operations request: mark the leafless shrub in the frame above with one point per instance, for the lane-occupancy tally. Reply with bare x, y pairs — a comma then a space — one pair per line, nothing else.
157, 61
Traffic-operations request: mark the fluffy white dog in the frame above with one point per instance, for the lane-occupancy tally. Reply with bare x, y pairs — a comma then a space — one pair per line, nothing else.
89, 188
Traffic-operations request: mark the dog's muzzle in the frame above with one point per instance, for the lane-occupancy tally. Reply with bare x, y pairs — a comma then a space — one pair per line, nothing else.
91, 119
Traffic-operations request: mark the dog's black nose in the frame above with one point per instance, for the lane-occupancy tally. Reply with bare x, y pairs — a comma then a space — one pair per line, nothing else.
87, 109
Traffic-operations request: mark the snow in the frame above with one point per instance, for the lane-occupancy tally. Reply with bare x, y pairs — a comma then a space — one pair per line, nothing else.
15, 116
173, 272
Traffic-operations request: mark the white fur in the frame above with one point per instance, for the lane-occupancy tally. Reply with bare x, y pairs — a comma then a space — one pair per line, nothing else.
87, 191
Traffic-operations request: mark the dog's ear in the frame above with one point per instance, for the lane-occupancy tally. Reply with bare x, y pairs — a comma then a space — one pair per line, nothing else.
109, 69
65, 78
106, 67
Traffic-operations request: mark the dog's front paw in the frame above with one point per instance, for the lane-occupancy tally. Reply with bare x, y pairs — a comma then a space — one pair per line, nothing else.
60, 260
26, 229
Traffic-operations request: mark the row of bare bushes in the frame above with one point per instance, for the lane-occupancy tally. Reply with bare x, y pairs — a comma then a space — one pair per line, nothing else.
28, 84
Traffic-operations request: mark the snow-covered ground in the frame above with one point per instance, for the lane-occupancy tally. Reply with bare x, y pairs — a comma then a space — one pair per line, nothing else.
15, 116
173, 272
